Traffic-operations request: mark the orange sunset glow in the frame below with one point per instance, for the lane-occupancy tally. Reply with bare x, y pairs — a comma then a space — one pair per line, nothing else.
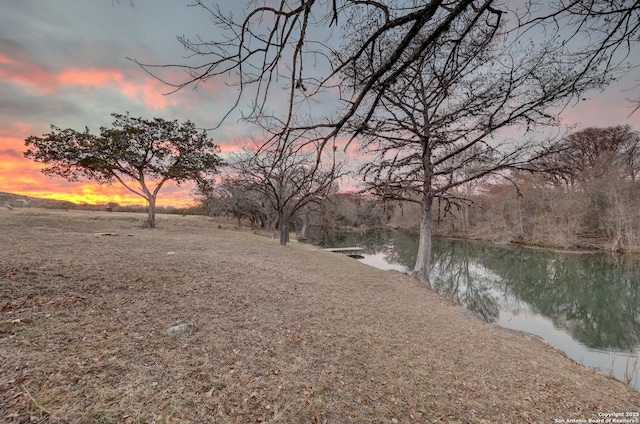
102, 195
73, 70
150, 91
132, 90
20, 175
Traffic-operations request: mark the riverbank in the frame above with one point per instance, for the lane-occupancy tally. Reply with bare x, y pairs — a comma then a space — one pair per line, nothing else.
278, 334
578, 245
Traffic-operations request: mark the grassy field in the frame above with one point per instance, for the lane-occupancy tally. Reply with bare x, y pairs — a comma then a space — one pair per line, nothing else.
276, 334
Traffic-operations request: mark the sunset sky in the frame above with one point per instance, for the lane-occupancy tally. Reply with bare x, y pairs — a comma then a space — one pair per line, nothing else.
65, 63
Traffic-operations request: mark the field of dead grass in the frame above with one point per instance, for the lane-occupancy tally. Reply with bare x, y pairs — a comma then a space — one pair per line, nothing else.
280, 334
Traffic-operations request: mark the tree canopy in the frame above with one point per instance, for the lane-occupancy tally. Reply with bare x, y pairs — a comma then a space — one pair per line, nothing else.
597, 154
299, 46
141, 154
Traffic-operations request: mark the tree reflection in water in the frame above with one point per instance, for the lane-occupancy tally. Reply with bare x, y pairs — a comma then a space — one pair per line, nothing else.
458, 276
594, 297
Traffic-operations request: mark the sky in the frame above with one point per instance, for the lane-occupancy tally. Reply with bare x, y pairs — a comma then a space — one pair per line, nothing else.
65, 63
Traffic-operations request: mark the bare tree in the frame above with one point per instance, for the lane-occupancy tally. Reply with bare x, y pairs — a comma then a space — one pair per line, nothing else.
286, 178
598, 33
227, 197
501, 66
596, 153
438, 125
603, 163
588, 199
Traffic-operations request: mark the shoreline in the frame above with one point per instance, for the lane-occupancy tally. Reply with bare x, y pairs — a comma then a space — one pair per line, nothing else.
589, 248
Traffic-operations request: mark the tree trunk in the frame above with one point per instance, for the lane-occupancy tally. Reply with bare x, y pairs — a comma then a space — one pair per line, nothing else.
151, 218
303, 232
423, 260
284, 229
274, 226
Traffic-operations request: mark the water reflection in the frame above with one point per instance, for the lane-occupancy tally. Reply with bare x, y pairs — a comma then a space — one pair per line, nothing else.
457, 274
592, 298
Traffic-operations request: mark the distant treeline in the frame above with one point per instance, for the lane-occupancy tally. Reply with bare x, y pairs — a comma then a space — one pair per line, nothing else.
11, 201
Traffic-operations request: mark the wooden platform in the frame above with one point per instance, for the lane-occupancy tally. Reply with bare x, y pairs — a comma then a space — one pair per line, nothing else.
345, 250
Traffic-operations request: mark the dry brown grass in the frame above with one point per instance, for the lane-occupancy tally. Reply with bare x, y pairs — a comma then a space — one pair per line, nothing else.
281, 334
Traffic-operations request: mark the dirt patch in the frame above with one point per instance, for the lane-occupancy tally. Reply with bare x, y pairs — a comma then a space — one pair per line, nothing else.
272, 334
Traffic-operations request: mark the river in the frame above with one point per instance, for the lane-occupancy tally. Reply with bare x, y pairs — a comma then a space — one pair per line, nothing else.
586, 304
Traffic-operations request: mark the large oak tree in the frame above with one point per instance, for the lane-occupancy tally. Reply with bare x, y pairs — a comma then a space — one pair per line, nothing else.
141, 154
442, 122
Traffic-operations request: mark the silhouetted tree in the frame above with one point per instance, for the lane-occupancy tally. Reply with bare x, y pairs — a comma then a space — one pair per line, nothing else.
134, 151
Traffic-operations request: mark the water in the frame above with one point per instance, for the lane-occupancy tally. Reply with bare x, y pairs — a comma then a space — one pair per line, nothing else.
586, 304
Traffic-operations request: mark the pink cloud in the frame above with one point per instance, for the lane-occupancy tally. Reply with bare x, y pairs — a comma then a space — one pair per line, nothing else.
150, 91
28, 73
33, 75
91, 77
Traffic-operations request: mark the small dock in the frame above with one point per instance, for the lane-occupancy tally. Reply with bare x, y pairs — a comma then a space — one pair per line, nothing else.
345, 250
